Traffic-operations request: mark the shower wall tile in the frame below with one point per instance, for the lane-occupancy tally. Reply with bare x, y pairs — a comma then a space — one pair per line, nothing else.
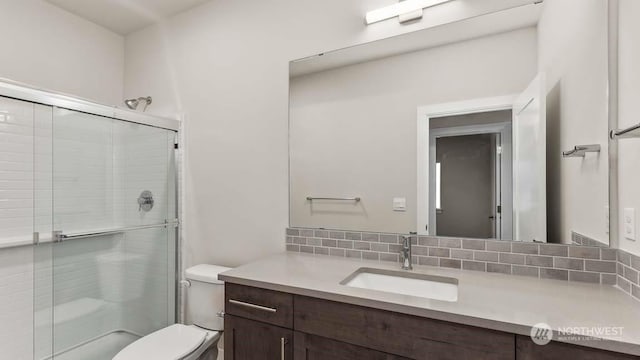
16, 293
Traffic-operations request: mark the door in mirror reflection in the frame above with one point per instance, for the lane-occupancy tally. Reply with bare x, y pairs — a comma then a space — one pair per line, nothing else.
471, 175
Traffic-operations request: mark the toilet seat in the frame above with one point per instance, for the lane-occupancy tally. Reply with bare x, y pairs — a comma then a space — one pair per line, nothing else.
171, 343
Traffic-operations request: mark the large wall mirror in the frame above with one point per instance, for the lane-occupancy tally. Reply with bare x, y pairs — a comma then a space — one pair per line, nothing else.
493, 127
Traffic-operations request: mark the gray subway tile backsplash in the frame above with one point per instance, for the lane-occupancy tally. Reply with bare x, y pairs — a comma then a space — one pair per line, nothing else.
624, 258
306, 249
554, 250
583, 276
427, 241
345, 244
531, 271
389, 238
593, 264
474, 265
600, 266
524, 248
449, 243
584, 252
568, 263
362, 245
321, 233
474, 244
624, 285
306, 232
537, 260
462, 254
337, 252
370, 237
608, 279
555, 274
499, 246
440, 252
508, 258
370, 255
329, 243
499, 268
428, 260
450, 263
489, 256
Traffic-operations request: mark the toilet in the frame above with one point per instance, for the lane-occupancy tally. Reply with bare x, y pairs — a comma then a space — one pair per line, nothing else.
205, 306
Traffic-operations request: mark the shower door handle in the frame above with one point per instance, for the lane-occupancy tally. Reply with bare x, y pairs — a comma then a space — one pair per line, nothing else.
59, 236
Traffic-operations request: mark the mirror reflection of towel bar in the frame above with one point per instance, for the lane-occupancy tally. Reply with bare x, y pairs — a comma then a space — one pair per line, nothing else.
356, 199
581, 150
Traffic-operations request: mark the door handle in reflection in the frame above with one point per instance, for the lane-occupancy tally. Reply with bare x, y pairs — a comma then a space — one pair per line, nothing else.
283, 343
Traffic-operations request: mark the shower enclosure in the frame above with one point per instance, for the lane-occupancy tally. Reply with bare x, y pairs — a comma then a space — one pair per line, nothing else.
88, 191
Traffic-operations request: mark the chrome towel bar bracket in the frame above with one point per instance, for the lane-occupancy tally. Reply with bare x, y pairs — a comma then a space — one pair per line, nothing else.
630, 132
581, 150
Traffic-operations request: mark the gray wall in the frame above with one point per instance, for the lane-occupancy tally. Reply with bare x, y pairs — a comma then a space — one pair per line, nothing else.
573, 54
225, 70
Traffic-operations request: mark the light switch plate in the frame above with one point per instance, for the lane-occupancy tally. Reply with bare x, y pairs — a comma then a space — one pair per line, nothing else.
629, 222
399, 204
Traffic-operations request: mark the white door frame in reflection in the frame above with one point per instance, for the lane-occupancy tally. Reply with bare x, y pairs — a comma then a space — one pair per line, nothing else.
424, 115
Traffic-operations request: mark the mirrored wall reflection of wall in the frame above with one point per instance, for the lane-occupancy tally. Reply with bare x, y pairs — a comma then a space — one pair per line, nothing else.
497, 105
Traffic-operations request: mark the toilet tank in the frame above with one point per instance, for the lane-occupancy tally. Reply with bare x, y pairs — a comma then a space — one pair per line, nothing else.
205, 296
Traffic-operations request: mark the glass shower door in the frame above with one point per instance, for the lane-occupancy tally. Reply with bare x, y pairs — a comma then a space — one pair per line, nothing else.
112, 257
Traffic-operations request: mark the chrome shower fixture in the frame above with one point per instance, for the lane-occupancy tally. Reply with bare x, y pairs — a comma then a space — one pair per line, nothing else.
133, 103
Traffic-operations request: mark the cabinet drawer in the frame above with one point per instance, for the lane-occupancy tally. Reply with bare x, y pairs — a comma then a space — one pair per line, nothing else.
268, 306
312, 347
528, 350
408, 336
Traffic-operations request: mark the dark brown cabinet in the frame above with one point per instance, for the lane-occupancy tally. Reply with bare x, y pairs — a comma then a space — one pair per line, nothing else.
252, 340
528, 350
270, 325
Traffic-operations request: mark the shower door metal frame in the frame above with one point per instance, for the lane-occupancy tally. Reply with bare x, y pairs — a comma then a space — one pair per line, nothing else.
20, 91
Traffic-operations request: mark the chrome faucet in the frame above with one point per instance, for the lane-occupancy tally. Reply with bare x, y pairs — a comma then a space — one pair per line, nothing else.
405, 253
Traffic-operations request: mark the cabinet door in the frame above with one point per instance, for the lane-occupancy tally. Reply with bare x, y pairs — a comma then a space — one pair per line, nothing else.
527, 350
252, 340
311, 347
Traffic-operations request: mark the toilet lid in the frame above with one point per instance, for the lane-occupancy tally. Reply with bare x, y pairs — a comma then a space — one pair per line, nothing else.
171, 343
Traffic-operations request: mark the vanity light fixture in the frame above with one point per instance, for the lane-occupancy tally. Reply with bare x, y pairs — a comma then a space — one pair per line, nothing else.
406, 10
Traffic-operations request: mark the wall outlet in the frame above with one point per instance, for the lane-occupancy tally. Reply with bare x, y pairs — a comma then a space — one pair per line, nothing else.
399, 204
630, 223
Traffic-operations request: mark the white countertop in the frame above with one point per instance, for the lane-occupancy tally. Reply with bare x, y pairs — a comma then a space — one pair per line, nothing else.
494, 301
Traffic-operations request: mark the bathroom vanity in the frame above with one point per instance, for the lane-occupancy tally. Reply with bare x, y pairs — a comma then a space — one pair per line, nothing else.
292, 306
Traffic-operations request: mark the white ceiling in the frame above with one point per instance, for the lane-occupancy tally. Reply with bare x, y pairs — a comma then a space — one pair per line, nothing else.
125, 16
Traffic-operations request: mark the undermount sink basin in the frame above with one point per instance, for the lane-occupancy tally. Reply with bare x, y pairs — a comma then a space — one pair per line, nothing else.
405, 283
